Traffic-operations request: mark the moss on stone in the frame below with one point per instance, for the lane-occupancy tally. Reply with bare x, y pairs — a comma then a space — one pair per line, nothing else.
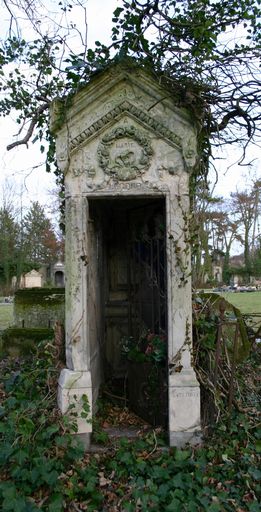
39, 307
44, 297
22, 341
32, 333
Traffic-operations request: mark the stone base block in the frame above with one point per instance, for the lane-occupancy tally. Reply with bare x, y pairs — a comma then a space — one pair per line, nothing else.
73, 386
184, 408
180, 439
85, 439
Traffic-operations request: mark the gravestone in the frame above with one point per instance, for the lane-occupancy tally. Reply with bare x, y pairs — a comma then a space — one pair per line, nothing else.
126, 151
32, 279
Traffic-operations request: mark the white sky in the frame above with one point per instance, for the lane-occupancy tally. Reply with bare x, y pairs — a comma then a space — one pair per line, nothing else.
22, 165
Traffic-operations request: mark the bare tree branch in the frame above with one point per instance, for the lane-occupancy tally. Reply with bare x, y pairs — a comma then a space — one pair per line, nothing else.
30, 130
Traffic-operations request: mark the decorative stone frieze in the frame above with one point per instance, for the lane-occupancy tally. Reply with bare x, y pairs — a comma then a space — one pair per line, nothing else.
126, 108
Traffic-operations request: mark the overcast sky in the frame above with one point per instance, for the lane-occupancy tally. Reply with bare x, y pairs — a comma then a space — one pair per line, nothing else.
25, 166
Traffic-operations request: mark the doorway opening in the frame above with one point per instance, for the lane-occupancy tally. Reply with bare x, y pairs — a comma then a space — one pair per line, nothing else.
131, 252
59, 279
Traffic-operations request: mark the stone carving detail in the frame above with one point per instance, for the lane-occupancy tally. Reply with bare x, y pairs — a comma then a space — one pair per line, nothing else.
77, 172
172, 170
126, 107
124, 153
89, 170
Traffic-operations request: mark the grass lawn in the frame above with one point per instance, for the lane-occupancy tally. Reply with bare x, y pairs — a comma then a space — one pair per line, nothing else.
247, 302
6, 315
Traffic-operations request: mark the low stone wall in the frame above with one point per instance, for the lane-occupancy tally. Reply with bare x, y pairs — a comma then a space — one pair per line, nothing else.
17, 341
39, 307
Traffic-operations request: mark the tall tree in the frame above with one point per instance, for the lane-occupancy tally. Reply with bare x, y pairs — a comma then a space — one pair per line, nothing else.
40, 242
217, 226
208, 49
9, 230
246, 208
256, 261
204, 233
225, 233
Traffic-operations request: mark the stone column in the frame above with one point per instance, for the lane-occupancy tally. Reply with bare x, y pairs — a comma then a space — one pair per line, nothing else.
75, 380
184, 391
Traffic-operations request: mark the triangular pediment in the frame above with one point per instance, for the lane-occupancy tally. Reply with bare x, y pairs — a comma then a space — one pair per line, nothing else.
116, 97
141, 84
120, 111
33, 273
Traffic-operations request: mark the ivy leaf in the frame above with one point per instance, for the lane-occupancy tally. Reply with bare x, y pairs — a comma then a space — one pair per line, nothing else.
182, 455
255, 473
3, 427
56, 504
51, 477
118, 11
174, 506
258, 446
21, 456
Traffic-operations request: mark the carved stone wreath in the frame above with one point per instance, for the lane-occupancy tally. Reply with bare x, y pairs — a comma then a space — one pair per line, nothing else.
124, 153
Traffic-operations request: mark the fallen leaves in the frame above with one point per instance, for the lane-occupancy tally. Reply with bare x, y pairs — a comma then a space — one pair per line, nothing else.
121, 416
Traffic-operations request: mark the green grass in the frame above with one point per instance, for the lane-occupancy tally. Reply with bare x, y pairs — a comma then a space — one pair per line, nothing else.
6, 315
247, 302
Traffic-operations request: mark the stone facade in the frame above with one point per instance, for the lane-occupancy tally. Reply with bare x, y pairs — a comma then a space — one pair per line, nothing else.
33, 279
122, 138
57, 274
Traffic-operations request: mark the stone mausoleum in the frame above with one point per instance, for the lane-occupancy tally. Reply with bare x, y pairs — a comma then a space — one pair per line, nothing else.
126, 151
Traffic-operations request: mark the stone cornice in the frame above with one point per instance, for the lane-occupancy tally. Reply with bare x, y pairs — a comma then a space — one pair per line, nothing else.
135, 112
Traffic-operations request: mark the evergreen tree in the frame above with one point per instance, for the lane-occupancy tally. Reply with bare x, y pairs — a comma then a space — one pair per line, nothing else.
40, 242
9, 232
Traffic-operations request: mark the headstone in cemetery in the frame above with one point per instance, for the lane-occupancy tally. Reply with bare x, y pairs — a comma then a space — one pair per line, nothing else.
32, 279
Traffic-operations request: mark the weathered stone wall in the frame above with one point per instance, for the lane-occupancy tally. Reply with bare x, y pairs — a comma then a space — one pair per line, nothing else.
17, 341
39, 307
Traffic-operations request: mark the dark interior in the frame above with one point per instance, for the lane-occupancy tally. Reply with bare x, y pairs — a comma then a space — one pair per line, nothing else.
132, 272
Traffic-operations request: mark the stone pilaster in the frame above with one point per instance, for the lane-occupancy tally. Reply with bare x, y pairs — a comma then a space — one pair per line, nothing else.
184, 391
75, 381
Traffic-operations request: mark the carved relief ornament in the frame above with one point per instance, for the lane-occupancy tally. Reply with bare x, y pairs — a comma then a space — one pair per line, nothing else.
126, 108
124, 153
